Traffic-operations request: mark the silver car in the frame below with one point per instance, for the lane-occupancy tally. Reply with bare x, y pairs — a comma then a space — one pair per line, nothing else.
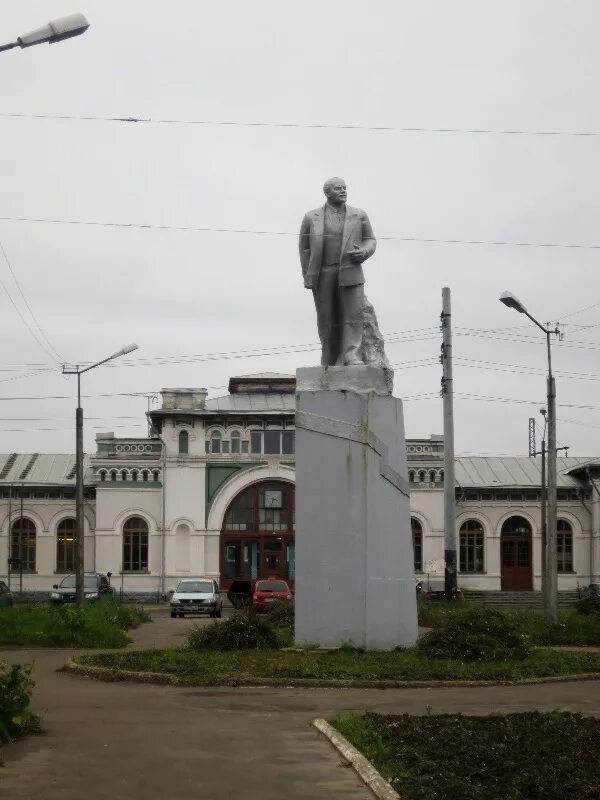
196, 596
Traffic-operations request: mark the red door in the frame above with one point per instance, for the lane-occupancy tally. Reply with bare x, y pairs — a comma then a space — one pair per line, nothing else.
516, 573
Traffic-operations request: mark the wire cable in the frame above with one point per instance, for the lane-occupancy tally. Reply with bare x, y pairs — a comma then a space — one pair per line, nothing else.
26, 323
304, 125
208, 229
57, 355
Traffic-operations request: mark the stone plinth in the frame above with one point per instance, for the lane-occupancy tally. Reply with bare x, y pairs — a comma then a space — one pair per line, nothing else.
354, 556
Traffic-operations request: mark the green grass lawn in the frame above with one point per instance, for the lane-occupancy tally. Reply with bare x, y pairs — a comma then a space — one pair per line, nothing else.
534, 756
206, 667
574, 628
102, 624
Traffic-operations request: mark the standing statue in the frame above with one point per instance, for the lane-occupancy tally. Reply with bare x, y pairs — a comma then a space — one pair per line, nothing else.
334, 241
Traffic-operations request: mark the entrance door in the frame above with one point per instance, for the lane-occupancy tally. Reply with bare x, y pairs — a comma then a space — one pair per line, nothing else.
516, 568
272, 557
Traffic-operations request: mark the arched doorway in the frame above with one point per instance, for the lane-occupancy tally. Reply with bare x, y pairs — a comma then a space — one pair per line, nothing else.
515, 555
257, 536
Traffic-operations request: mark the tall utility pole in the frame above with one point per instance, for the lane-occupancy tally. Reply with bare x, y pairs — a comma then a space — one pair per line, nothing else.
543, 503
551, 528
449, 481
79, 520
512, 301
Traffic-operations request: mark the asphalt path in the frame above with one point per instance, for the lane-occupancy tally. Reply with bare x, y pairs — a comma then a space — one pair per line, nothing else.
117, 740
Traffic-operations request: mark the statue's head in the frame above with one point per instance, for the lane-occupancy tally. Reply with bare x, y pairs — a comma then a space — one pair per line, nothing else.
335, 190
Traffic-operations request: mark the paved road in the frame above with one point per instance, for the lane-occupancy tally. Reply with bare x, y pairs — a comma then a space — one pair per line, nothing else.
105, 741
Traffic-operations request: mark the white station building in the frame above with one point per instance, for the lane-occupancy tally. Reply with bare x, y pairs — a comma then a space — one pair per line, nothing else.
211, 492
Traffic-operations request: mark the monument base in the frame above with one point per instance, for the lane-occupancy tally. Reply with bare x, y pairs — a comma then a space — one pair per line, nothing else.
354, 557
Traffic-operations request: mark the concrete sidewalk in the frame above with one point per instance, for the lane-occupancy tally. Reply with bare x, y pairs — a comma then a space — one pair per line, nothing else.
105, 741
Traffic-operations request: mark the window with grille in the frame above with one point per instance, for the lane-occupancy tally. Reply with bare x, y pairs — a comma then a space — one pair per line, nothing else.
65, 546
23, 543
471, 546
135, 545
417, 540
564, 546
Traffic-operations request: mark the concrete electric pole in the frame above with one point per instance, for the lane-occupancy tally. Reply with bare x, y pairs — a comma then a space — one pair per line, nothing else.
450, 583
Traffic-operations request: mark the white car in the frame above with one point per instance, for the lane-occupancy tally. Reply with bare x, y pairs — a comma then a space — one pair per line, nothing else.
196, 596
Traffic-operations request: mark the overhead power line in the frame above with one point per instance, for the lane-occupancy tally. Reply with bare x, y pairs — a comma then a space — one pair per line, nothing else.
57, 356
248, 231
305, 125
26, 323
579, 311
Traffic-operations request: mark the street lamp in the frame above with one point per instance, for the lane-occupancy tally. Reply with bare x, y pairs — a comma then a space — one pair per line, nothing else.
551, 572
79, 523
55, 31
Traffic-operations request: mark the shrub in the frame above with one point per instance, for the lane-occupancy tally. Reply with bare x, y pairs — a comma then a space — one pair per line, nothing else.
588, 604
478, 634
16, 685
281, 615
244, 631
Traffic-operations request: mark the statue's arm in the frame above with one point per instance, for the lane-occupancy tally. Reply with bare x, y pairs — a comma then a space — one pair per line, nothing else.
369, 242
304, 244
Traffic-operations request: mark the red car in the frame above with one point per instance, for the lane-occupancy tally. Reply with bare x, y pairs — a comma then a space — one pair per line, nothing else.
266, 592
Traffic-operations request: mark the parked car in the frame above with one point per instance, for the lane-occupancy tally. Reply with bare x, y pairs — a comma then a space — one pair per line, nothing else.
6, 598
239, 593
196, 596
435, 591
266, 592
95, 587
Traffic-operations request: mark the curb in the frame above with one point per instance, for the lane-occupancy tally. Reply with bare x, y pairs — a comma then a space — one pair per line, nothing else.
365, 770
168, 679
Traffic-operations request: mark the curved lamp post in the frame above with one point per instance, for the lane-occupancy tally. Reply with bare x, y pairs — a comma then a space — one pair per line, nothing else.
550, 557
55, 31
79, 521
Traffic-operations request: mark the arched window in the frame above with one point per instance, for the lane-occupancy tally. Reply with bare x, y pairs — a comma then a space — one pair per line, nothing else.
184, 442
215, 442
411, 476
471, 546
417, 540
422, 476
432, 476
155, 475
113, 475
516, 526
123, 474
564, 546
257, 537
22, 543
134, 474
145, 474
235, 441
65, 545
135, 545
102, 474
441, 476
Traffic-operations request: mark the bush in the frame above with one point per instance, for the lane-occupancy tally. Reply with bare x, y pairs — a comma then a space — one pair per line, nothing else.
588, 604
16, 685
280, 615
244, 631
478, 634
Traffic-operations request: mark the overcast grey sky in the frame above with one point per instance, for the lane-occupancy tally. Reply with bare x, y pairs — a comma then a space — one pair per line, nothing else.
526, 65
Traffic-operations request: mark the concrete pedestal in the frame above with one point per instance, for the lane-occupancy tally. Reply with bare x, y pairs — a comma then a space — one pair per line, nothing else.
354, 556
